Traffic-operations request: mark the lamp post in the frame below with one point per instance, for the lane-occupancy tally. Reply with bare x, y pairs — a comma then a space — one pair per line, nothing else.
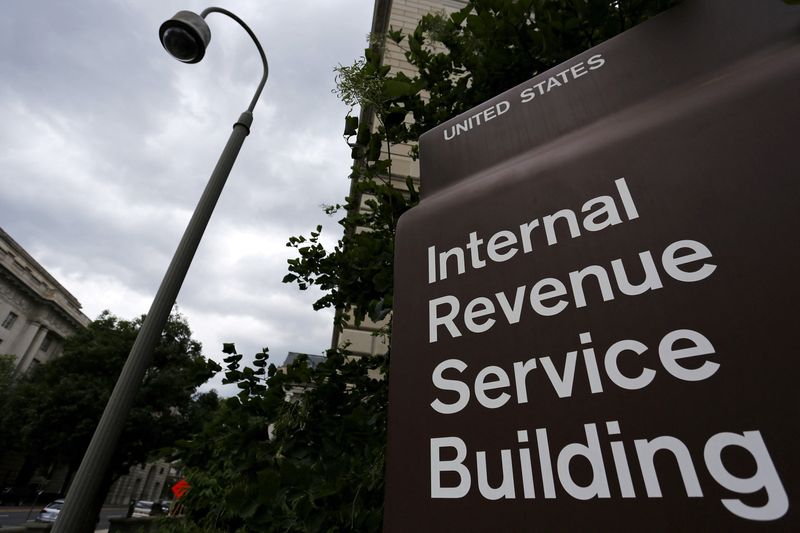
186, 37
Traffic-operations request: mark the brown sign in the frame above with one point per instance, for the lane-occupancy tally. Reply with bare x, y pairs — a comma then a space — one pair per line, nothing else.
596, 300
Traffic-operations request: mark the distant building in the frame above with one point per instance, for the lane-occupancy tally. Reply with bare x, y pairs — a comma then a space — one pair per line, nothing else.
368, 337
36, 312
294, 391
312, 360
151, 481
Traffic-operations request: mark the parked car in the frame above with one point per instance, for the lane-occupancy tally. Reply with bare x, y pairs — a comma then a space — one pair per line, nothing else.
50, 511
149, 508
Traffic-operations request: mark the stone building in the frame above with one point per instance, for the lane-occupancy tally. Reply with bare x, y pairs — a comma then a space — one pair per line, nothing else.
36, 311
293, 391
366, 338
151, 481
36, 314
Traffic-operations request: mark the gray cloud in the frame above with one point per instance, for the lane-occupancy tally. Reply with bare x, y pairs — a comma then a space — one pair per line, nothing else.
106, 144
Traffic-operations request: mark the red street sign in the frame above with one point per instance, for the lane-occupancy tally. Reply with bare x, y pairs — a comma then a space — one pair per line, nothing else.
180, 489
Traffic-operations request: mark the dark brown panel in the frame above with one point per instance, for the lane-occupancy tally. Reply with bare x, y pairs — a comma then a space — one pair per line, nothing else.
687, 138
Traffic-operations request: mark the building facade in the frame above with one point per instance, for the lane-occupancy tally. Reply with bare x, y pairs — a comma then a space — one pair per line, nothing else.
36, 311
368, 338
36, 314
294, 391
151, 481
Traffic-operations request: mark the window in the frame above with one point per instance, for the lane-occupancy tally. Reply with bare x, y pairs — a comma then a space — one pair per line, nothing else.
46, 342
8, 323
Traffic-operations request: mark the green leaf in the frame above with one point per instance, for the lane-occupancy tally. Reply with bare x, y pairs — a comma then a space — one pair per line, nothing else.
363, 134
268, 483
395, 117
395, 36
396, 88
374, 148
350, 125
228, 347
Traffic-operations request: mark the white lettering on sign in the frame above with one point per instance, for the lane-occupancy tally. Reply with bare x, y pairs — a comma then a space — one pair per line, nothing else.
529, 93
681, 356
550, 296
596, 215
478, 119
558, 373
562, 78
683, 260
765, 477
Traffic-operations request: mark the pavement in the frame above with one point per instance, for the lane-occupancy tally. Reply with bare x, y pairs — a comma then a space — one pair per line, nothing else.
16, 516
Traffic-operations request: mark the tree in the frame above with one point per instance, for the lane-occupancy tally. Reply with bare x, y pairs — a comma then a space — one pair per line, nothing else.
495, 45
53, 410
320, 467
6, 385
462, 60
6, 376
6, 388
269, 461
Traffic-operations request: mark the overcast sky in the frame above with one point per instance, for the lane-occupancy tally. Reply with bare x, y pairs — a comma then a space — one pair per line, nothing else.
106, 143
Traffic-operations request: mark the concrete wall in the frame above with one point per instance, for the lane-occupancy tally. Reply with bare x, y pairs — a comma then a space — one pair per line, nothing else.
150, 481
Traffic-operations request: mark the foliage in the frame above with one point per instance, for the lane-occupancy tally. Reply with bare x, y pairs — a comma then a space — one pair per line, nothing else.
462, 60
52, 411
357, 274
298, 449
6, 376
169, 524
6, 385
493, 45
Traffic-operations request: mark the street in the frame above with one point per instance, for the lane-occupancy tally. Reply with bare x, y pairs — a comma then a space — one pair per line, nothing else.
17, 516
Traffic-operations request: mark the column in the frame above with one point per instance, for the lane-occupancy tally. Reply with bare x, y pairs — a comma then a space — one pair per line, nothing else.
22, 342
33, 347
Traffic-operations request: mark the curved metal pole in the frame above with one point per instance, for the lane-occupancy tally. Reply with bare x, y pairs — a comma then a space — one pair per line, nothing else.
255, 40
78, 513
